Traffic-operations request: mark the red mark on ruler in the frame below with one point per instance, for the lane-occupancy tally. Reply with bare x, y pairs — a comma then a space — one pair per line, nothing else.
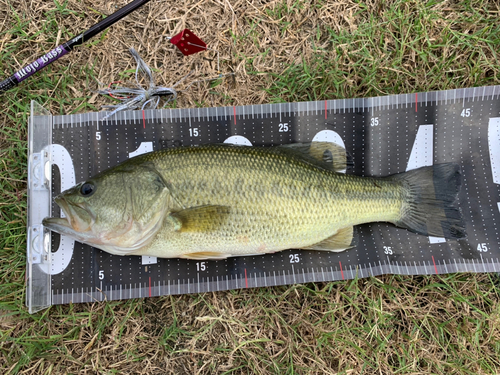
325, 109
246, 280
234, 111
143, 119
341, 272
435, 268
150, 286
416, 102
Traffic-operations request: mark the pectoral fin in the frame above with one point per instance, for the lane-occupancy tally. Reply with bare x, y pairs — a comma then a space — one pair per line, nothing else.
340, 241
201, 219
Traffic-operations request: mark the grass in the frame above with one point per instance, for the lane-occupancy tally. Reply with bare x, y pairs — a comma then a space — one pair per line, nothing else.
408, 48
281, 51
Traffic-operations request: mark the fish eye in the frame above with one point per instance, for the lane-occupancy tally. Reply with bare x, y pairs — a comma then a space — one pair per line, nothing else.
87, 189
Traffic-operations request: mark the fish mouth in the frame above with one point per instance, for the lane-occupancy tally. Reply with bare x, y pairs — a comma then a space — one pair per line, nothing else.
63, 226
58, 224
77, 219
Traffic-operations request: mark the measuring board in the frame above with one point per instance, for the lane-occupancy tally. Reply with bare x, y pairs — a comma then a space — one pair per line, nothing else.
384, 136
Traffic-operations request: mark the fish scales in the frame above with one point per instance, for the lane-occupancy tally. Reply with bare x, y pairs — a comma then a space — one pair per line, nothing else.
275, 201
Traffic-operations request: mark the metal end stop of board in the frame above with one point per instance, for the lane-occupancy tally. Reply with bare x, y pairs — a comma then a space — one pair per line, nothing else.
39, 245
40, 169
39, 185
38, 278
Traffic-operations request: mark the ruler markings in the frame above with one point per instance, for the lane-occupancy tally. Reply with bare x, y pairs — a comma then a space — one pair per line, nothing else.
65, 297
390, 265
434, 262
445, 266
482, 261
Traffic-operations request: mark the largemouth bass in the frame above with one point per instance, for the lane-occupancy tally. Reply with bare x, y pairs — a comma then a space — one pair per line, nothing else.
217, 201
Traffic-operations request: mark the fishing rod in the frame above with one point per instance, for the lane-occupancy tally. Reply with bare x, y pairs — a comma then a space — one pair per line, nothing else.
67, 47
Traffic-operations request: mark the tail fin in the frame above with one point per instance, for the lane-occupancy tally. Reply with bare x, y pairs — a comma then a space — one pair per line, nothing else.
431, 203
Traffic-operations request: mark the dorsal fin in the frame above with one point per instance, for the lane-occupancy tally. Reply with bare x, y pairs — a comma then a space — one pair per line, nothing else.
327, 155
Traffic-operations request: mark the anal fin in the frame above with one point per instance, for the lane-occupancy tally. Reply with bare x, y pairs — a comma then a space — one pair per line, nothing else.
340, 241
205, 255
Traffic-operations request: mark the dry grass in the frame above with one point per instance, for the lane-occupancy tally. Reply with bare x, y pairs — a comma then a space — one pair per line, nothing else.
280, 50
